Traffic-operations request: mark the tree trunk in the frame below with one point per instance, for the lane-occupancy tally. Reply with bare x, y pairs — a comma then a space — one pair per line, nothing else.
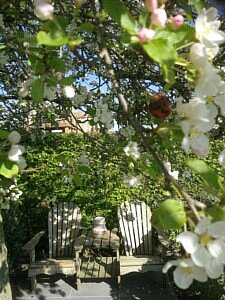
5, 288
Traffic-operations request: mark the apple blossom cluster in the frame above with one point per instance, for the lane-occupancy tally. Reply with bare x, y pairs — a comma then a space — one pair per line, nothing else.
186, 174
83, 161
131, 181
127, 132
83, 96
25, 89
132, 149
206, 248
16, 151
200, 113
69, 91
43, 9
11, 193
158, 19
103, 114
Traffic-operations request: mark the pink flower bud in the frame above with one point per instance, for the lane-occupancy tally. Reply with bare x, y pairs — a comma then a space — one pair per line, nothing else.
151, 5
145, 34
177, 21
159, 17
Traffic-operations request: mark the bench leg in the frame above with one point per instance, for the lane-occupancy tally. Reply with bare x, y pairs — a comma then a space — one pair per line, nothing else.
77, 264
33, 282
118, 268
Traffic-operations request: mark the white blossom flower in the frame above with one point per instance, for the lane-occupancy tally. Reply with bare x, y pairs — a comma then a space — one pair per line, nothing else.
68, 178
207, 83
198, 55
24, 90
103, 114
221, 158
219, 99
199, 144
145, 34
131, 181
159, 17
198, 118
69, 91
83, 161
14, 137
206, 246
15, 152
127, 131
187, 173
207, 28
21, 163
43, 10
186, 271
132, 149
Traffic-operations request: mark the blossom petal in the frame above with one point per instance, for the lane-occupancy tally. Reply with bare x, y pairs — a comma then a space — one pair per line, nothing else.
182, 279
201, 256
217, 230
200, 274
221, 159
202, 225
170, 264
214, 269
189, 240
217, 250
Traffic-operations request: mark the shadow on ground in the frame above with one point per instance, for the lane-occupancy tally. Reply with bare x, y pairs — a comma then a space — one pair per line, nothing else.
134, 286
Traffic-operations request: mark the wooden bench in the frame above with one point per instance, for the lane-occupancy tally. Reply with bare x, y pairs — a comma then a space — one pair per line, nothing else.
136, 231
63, 229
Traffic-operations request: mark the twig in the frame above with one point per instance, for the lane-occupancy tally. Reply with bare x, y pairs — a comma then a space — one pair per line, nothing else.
104, 54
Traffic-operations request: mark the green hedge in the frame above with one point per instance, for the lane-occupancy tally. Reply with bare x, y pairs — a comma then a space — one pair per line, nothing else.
101, 191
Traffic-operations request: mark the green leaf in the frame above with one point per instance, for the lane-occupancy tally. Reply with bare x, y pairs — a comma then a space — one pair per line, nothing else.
217, 212
87, 27
118, 12
183, 35
143, 19
57, 64
3, 134
128, 24
67, 80
187, 9
37, 66
115, 9
169, 215
208, 174
75, 41
161, 51
77, 180
58, 23
8, 168
198, 4
172, 132
84, 169
169, 75
37, 91
54, 38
